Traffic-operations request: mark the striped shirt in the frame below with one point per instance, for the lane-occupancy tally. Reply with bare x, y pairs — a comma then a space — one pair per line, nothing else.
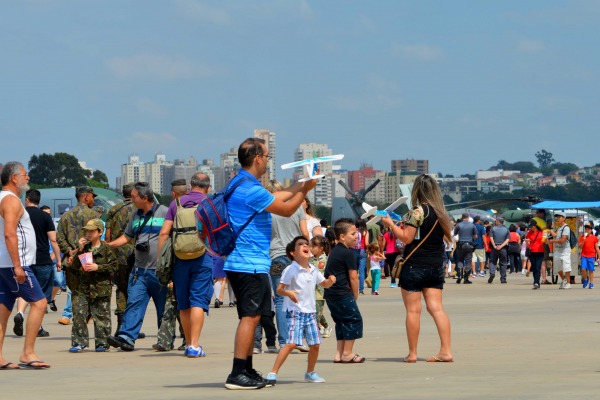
26, 239
148, 234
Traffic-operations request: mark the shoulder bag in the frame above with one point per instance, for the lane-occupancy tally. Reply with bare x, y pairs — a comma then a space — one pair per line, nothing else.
399, 262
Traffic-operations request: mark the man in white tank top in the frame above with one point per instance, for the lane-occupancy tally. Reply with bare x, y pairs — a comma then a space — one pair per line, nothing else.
17, 253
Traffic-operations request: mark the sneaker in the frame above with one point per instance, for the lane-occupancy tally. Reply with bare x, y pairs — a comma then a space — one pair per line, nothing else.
392, 285
527, 274
467, 282
313, 378
361, 292
322, 328
43, 333
523, 272
491, 278
567, 286
376, 293
64, 321
102, 349
231, 304
218, 303
458, 280
160, 347
327, 332
256, 351
183, 346
257, 376
585, 283
302, 349
482, 274
243, 382
591, 286
194, 352
119, 342
18, 328
53, 307
272, 350
271, 379
562, 285
77, 349
536, 286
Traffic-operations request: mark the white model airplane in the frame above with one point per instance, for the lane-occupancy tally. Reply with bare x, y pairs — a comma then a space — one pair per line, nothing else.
313, 168
377, 214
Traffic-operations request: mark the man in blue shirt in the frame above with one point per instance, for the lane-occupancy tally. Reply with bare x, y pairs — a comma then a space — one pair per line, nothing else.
247, 267
479, 252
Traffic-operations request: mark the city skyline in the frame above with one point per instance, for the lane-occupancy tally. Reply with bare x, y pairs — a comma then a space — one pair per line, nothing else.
462, 84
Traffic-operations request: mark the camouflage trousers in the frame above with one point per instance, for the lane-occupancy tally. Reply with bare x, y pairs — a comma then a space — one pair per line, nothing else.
320, 317
121, 300
99, 309
166, 333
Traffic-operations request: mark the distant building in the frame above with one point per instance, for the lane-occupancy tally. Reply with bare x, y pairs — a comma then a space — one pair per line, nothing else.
420, 166
356, 179
323, 194
270, 139
484, 174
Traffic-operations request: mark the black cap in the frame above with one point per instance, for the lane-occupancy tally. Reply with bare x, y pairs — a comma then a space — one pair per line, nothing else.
178, 182
84, 189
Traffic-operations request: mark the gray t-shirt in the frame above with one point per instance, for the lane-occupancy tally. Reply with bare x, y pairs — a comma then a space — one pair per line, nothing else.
466, 231
560, 232
284, 230
499, 234
148, 234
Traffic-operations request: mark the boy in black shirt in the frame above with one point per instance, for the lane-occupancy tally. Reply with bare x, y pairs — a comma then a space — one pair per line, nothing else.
341, 297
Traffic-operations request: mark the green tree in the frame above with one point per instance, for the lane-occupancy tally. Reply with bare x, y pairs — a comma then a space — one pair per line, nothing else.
56, 170
565, 168
100, 176
544, 158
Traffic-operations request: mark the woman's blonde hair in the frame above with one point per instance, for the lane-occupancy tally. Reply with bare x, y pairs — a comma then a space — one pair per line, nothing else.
427, 191
309, 207
274, 186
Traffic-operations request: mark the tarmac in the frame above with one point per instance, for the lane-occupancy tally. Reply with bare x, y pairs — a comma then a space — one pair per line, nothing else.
508, 342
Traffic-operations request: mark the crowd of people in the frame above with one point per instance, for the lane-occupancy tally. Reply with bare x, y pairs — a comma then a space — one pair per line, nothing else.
283, 270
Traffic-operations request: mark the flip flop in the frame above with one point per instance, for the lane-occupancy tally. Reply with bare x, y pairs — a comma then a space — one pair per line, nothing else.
437, 359
354, 360
30, 365
8, 366
337, 361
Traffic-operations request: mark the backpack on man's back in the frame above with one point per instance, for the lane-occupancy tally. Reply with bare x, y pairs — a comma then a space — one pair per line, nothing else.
187, 243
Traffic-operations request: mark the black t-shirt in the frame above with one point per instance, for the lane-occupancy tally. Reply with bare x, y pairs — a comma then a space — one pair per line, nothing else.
430, 253
42, 224
340, 260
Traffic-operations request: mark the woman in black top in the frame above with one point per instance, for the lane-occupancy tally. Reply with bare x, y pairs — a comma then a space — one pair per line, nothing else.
424, 270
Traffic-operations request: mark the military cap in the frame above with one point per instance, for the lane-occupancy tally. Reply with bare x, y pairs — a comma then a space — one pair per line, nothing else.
178, 182
94, 224
84, 189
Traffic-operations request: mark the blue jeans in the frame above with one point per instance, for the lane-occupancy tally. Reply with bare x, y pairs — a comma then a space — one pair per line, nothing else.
280, 317
44, 275
143, 285
361, 262
68, 310
59, 279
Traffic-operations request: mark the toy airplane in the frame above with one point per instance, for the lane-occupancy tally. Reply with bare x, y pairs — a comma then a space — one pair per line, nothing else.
377, 214
313, 168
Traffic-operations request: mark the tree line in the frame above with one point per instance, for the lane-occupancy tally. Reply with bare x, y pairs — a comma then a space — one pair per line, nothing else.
62, 170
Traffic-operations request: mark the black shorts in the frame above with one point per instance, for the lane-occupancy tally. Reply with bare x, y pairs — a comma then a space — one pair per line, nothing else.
252, 293
416, 278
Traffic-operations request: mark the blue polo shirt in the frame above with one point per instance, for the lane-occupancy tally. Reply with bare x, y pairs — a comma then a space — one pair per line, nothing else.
480, 234
251, 253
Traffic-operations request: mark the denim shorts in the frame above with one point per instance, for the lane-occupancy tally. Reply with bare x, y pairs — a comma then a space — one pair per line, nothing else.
416, 278
587, 263
193, 282
10, 289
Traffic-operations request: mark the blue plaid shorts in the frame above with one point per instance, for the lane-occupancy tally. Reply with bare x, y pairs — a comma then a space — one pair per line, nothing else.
302, 325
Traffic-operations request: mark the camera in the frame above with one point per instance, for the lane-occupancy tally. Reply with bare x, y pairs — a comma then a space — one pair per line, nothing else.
144, 246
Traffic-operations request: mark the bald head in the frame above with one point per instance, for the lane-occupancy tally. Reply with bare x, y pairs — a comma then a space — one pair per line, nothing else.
200, 183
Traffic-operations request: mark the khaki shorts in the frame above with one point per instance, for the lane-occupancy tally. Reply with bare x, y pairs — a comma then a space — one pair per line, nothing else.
563, 261
479, 254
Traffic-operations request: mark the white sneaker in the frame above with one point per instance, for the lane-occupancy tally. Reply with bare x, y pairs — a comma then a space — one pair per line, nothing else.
522, 272
562, 285
567, 286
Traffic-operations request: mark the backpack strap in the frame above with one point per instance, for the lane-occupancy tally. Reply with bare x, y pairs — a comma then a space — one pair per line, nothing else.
228, 194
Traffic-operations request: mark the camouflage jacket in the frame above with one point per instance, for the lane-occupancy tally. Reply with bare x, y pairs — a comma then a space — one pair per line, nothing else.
70, 226
95, 283
117, 219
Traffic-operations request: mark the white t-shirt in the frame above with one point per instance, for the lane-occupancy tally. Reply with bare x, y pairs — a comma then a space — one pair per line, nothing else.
304, 282
374, 264
26, 236
311, 223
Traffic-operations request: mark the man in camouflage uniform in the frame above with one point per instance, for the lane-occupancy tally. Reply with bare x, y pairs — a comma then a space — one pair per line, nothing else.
95, 289
70, 230
166, 332
116, 221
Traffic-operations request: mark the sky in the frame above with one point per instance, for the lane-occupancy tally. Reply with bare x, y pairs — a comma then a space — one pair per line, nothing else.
461, 83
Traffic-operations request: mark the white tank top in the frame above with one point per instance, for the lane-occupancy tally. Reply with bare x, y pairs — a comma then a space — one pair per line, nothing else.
25, 234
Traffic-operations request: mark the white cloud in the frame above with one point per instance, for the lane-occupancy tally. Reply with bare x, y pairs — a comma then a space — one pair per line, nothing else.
421, 52
153, 66
151, 108
530, 46
201, 11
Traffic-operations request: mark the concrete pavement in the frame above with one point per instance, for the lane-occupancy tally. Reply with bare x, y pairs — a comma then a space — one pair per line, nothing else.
508, 342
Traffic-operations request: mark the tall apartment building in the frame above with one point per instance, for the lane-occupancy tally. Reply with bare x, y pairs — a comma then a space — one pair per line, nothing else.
356, 178
228, 167
159, 173
421, 166
378, 193
132, 171
322, 195
184, 169
271, 143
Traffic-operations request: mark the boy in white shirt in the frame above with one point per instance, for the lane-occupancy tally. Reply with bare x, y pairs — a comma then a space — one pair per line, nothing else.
297, 286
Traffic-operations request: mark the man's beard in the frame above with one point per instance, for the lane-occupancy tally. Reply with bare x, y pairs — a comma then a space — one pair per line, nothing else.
23, 188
